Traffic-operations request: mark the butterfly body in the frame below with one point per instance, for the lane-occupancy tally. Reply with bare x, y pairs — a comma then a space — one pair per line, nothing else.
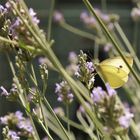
115, 71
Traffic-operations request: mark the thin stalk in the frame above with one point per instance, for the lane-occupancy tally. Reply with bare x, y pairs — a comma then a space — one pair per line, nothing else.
135, 35
43, 115
135, 130
50, 19
45, 129
3, 39
78, 31
68, 115
89, 6
128, 44
74, 124
53, 113
36, 136
40, 102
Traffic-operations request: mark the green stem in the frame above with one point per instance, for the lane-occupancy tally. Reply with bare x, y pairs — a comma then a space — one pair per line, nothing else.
36, 136
67, 113
135, 36
135, 130
50, 19
3, 39
128, 44
78, 31
89, 6
53, 113
43, 115
45, 129
74, 124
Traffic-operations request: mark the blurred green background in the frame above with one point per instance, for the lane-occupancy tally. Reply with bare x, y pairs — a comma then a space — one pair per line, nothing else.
64, 40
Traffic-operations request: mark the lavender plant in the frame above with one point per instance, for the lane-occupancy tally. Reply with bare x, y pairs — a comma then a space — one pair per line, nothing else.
101, 114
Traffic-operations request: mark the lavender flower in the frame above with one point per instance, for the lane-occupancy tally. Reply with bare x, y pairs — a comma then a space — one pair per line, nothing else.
64, 92
13, 135
98, 94
73, 58
88, 19
19, 115
110, 91
90, 66
33, 16
58, 17
4, 91
2, 9
125, 119
107, 47
4, 120
59, 111
25, 125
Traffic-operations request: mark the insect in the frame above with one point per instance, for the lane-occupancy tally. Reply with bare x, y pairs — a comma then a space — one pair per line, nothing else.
114, 71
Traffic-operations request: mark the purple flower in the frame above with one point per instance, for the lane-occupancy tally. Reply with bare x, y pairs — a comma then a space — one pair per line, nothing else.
73, 57
105, 18
98, 94
4, 120
25, 125
4, 91
59, 111
110, 91
107, 47
125, 119
90, 66
33, 15
19, 115
64, 92
13, 135
58, 17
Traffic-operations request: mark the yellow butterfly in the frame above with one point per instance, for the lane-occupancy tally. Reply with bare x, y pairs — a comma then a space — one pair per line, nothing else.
114, 71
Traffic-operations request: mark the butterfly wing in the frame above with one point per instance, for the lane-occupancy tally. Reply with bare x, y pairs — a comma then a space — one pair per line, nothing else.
114, 76
118, 62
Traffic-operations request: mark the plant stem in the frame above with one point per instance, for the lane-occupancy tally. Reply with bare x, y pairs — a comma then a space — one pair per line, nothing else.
78, 31
67, 113
45, 129
128, 44
135, 36
50, 19
53, 113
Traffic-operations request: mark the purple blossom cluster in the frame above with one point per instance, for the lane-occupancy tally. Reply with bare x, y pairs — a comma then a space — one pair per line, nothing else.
16, 27
64, 92
18, 125
91, 22
85, 71
105, 103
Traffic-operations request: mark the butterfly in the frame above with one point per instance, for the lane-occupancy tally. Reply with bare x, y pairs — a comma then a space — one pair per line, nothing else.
114, 71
